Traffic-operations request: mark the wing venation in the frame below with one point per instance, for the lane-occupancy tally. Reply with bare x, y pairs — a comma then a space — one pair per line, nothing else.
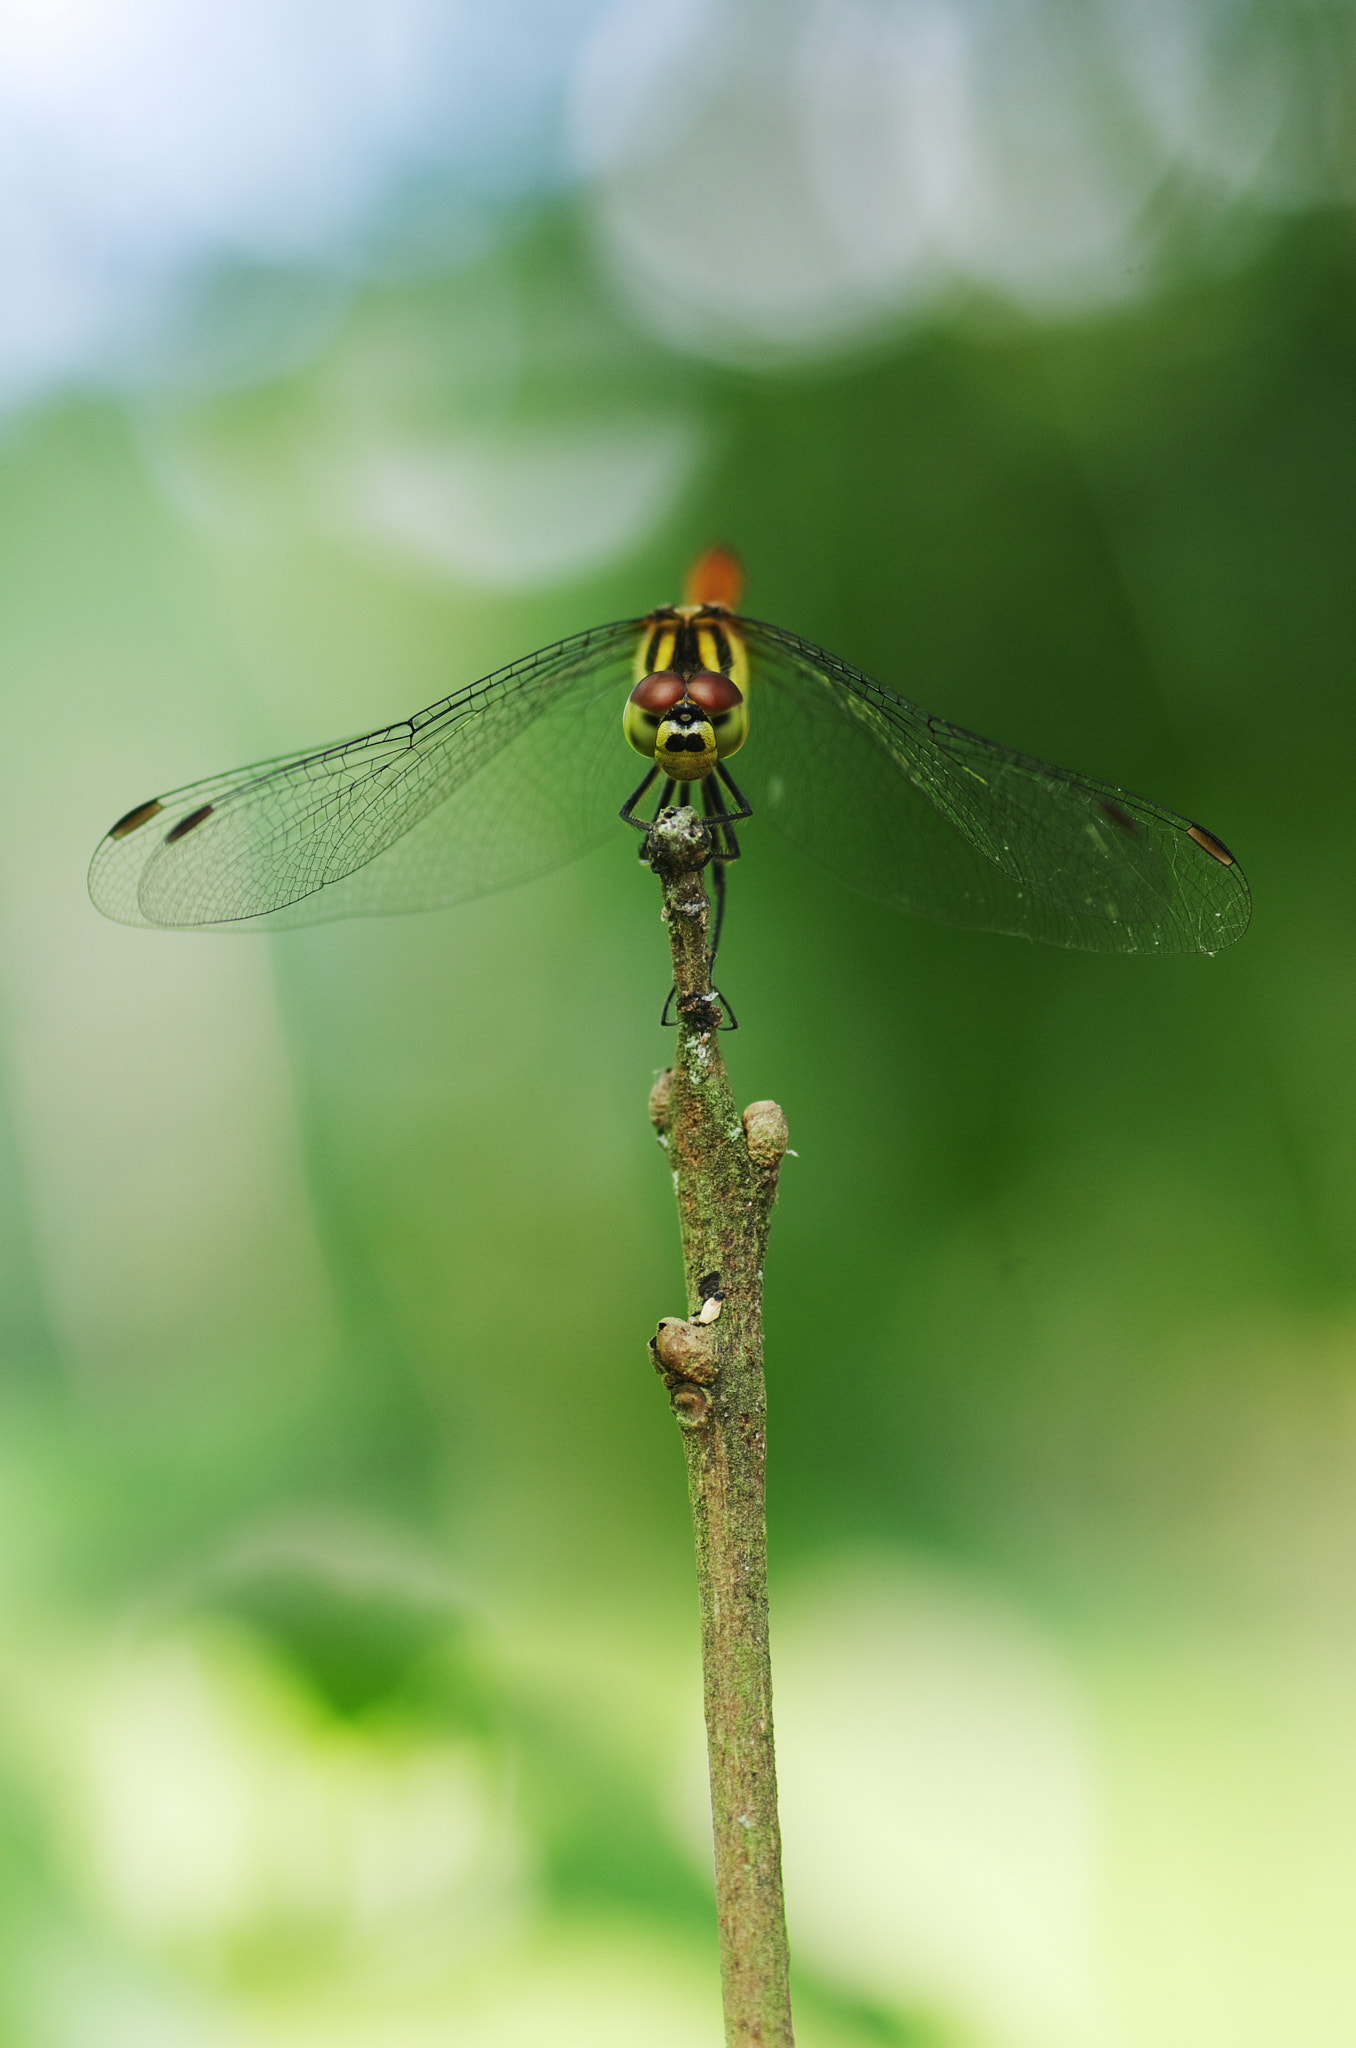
969, 832
272, 842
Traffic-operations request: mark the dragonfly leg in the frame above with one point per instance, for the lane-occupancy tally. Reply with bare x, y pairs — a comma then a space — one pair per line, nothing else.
718, 877
643, 825
745, 807
626, 813
665, 796
725, 848
721, 818
731, 1022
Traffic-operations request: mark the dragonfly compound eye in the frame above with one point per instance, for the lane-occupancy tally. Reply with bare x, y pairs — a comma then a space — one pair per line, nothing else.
646, 705
707, 691
723, 702
659, 692
714, 693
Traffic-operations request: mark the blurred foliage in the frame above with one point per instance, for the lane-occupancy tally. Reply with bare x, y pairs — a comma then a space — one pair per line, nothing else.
328, 1260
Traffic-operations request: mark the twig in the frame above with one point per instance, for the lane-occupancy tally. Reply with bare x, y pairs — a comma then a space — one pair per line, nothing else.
725, 1172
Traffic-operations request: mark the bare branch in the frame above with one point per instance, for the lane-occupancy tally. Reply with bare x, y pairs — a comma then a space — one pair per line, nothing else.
725, 1172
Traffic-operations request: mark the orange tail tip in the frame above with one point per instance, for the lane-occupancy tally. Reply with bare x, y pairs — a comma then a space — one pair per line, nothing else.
716, 577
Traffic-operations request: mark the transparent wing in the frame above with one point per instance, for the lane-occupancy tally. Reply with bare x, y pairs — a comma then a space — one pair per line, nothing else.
435, 809
940, 822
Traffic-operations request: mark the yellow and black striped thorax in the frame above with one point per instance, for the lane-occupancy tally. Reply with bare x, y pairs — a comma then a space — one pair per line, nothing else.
689, 708
690, 638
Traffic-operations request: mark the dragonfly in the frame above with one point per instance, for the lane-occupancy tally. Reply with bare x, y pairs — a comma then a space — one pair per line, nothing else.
514, 774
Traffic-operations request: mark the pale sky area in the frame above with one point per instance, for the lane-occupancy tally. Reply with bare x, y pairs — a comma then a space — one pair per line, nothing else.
188, 193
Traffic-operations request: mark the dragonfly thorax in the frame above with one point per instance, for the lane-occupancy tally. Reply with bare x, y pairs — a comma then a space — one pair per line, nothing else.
685, 724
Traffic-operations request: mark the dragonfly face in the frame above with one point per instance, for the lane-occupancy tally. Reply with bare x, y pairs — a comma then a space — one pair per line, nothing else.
686, 723
518, 772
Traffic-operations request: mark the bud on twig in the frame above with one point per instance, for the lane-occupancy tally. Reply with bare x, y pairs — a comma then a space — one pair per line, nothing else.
766, 1130
660, 1096
687, 1349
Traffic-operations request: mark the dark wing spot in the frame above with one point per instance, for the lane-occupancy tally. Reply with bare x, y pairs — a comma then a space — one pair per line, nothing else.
137, 817
187, 825
1211, 844
1121, 819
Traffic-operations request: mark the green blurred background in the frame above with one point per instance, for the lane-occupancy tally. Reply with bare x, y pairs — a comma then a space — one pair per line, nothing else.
348, 1679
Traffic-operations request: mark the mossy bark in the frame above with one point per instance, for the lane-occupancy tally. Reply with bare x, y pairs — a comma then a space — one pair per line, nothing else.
725, 1173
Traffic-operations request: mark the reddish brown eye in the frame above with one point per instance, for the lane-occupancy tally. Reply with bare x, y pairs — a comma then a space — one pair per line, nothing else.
714, 692
658, 692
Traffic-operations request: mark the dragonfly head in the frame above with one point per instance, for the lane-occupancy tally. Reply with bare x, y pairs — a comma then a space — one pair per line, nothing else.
685, 742
685, 724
